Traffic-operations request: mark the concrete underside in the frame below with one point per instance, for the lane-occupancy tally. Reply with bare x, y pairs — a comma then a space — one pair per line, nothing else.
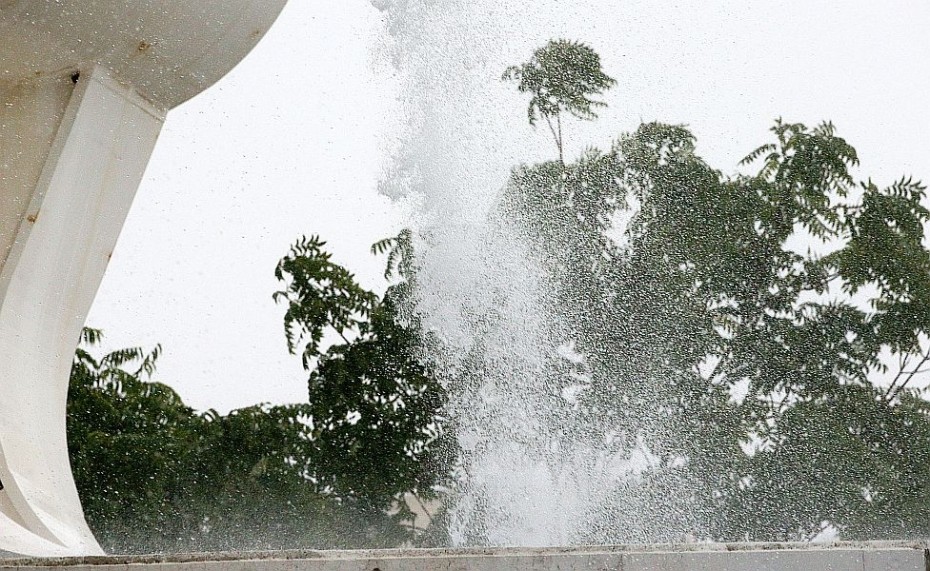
871, 556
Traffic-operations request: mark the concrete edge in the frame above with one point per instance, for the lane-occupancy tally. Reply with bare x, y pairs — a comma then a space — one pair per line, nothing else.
418, 553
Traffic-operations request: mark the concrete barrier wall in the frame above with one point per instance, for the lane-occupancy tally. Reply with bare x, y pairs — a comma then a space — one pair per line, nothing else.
710, 557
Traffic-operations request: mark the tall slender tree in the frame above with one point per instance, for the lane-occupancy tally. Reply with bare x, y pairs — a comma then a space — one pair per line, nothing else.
562, 77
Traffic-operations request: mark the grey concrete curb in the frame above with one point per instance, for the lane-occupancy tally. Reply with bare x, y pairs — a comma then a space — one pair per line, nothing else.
841, 556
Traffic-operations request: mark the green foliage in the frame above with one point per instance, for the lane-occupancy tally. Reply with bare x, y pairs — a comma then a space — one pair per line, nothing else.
562, 76
745, 368
373, 405
375, 412
319, 294
155, 476
744, 365
124, 435
400, 260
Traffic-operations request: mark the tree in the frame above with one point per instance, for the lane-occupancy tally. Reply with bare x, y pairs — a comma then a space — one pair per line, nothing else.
745, 367
562, 76
374, 402
155, 476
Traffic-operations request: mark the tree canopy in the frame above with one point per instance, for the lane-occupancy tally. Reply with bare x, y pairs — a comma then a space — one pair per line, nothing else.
333, 472
763, 337
562, 76
373, 404
748, 367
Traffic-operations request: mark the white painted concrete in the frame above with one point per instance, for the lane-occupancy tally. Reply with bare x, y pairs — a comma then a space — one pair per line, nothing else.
712, 557
47, 284
168, 51
84, 88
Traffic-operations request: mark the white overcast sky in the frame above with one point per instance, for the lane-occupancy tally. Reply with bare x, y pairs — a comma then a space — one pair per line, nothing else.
295, 139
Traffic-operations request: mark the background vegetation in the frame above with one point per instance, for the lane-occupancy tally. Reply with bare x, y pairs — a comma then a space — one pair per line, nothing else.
764, 335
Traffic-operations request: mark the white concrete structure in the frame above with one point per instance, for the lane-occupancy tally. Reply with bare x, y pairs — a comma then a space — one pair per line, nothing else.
878, 556
84, 88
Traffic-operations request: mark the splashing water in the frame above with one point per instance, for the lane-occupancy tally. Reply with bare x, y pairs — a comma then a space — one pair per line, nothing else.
530, 475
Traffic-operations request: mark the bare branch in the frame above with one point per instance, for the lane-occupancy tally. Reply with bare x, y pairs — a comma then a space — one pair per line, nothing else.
889, 395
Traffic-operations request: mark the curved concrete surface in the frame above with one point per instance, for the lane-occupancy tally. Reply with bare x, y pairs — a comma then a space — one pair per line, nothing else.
84, 88
168, 50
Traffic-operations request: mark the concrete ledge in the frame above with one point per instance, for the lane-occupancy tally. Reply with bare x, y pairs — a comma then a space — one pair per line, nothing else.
852, 556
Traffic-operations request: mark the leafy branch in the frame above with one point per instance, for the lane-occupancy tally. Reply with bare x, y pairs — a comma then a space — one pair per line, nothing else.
319, 295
